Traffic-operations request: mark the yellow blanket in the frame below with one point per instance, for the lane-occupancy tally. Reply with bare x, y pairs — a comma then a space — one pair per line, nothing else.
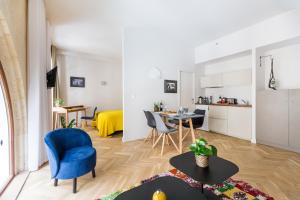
109, 121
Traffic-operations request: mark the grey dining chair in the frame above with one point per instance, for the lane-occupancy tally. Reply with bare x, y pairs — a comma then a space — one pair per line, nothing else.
164, 132
151, 123
197, 122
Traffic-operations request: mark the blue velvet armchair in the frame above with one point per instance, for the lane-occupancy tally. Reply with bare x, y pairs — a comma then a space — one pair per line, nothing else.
70, 153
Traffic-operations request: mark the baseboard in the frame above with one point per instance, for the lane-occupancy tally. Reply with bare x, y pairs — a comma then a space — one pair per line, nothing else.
278, 146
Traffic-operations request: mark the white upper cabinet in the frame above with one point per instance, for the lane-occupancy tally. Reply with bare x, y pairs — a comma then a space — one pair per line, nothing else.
211, 81
204, 82
237, 78
234, 78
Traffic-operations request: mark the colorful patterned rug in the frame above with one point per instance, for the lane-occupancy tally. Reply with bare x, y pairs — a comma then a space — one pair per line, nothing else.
228, 190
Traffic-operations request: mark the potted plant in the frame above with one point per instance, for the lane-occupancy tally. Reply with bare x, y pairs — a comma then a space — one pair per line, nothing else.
58, 102
64, 125
156, 107
202, 151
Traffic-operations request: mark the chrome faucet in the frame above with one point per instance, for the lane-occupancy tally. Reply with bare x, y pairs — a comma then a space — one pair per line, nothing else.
245, 101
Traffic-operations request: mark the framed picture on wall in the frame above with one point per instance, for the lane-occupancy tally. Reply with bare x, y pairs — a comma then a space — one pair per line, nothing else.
170, 86
77, 81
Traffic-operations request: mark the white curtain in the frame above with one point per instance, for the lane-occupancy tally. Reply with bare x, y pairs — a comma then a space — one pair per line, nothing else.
56, 89
38, 100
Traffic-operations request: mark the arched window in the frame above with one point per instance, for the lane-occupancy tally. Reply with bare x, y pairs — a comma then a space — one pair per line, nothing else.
6, 134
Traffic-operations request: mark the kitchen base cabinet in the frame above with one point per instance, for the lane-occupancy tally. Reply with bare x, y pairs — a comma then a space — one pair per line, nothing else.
231, 120
272, 117
218, 112
239, 122
218, 125
294, 119
278, 118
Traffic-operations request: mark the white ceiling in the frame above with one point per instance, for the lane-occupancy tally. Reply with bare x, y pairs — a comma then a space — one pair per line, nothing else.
95, 26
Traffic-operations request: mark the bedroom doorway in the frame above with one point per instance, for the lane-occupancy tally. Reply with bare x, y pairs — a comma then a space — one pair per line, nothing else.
6, 139
187, 89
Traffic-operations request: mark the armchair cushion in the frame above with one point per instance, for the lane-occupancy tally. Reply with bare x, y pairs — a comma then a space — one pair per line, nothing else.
76, 162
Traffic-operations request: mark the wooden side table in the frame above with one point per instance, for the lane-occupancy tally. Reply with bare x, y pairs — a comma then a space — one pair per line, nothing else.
65, 110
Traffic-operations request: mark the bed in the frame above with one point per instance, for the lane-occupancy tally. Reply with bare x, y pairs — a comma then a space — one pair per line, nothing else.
108, 122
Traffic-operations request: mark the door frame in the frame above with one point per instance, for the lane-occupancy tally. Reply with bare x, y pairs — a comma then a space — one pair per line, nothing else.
179, 85
4, 86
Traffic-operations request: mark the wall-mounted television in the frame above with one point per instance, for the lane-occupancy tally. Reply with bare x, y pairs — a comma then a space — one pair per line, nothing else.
51, 78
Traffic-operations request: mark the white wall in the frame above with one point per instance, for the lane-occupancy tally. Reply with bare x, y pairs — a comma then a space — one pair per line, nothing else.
286, 66
106, 97
278, 28
233, 63
142, 50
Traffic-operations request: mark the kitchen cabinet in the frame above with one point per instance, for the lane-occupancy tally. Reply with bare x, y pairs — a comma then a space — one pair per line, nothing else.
231, 120
234, 78
272, 113
218, 112
204, 81
294, 119
218, 125
211, 81
239, 122
237, 78
278, 117
218, 119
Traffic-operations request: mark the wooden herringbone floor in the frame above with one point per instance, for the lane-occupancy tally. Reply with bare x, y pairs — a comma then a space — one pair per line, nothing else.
120, 165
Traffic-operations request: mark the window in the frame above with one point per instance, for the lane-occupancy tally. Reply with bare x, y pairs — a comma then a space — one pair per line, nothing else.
6, 136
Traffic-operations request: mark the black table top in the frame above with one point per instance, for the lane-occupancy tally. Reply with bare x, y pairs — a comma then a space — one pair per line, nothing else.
218, 169
174, 188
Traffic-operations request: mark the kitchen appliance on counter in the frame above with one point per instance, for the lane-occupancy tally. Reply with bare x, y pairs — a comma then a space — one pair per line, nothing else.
232, 101
222, 100
225, 100
203, 100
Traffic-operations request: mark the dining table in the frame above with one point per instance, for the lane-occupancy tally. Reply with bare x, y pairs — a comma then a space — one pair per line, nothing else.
181, 118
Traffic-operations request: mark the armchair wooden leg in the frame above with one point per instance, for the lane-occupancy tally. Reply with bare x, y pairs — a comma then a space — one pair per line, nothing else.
55, 182
74, 185
93, 173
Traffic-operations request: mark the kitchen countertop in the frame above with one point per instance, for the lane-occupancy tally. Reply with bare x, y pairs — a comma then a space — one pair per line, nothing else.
232, 105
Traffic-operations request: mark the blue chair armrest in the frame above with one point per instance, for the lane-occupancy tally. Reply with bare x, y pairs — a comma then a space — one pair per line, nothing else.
53, 156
